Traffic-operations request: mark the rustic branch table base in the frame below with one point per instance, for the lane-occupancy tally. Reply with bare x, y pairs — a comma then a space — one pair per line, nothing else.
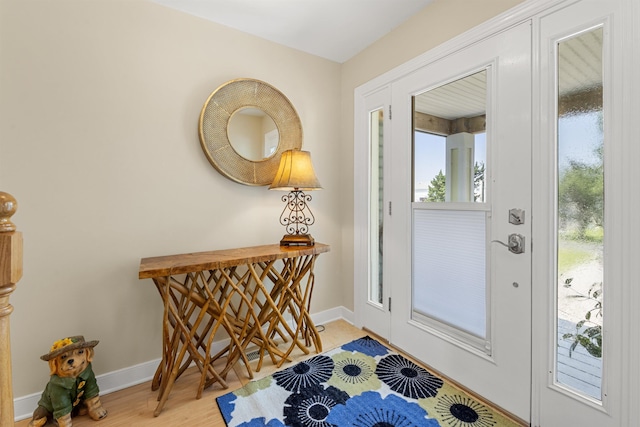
247, 293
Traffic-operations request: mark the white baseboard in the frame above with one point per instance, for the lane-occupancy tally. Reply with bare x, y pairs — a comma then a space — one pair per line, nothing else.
24, 406
336, 313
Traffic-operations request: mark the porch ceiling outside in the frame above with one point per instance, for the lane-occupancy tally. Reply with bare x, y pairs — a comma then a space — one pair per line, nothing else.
465, 98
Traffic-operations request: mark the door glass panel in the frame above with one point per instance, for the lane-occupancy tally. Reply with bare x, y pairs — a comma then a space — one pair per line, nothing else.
449, 151
449, 286
449, 268
580, 213
376, 128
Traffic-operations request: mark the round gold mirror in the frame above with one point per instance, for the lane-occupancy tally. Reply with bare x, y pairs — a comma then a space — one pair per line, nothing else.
244, 127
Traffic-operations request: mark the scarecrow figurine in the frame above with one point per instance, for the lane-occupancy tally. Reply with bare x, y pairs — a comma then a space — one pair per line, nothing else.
72, 387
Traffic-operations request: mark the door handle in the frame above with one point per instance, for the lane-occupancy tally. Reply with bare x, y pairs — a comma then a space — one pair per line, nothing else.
516, 243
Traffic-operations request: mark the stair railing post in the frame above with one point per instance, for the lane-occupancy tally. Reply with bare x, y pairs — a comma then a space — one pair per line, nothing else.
10, 274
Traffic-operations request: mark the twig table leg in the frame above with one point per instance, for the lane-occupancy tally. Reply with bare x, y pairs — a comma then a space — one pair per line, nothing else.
204, 291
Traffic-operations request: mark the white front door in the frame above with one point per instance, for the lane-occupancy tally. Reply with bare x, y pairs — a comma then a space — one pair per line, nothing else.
558, 111
461, 300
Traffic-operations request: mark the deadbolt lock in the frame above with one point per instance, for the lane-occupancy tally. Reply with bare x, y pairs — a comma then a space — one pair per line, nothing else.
516, 216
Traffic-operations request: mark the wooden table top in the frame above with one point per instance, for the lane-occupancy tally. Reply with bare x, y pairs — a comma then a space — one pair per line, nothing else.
168, 265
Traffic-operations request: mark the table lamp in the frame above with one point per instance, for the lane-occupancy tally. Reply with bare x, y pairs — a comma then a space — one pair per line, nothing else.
296, 175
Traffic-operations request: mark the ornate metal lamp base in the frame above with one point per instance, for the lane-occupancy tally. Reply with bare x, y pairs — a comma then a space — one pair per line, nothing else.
297, 240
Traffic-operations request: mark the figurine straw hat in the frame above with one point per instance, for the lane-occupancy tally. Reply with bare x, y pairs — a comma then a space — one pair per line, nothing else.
67, 344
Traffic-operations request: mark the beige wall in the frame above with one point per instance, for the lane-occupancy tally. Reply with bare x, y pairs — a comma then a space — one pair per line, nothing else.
99, 103
435, 24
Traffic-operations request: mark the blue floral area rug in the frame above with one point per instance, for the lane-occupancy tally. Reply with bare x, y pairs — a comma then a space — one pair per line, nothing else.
361, 384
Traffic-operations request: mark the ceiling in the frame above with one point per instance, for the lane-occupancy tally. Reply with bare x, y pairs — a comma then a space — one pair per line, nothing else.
340, 29
332, 29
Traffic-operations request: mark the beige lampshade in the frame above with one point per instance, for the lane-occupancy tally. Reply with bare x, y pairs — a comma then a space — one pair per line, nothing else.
295, 172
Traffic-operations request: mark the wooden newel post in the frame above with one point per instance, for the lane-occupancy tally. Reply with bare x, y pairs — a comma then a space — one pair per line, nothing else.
10, 273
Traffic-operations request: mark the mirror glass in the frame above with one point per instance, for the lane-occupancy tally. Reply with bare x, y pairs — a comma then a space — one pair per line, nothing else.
253, 134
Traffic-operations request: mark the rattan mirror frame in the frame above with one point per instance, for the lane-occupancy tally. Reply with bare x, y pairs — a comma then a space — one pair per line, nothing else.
214, 120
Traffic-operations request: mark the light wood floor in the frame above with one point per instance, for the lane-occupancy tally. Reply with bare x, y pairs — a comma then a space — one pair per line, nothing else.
134, 406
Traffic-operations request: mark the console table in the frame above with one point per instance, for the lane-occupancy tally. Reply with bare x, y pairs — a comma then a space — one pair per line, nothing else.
247, 292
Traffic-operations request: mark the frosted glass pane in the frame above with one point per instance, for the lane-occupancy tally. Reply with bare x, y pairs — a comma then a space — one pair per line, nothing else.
376, 123
449, 268
580, 214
